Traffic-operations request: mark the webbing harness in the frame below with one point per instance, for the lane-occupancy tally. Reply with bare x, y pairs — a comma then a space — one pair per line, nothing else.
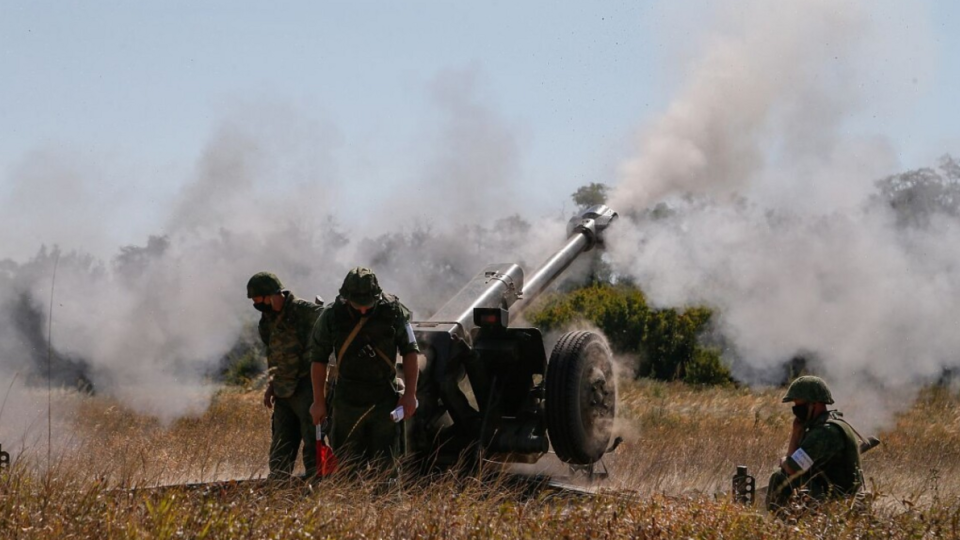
349, 340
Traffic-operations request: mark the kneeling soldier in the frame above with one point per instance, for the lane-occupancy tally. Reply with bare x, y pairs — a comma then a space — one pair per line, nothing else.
824, 452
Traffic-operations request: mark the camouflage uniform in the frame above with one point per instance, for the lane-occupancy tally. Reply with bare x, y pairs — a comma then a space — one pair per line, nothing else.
365, 391
827, 458
286, 335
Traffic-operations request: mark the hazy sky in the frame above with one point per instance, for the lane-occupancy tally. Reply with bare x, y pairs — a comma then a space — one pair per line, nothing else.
127, 95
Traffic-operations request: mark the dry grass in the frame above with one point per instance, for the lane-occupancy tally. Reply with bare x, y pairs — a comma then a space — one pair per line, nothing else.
689, 440
670, 480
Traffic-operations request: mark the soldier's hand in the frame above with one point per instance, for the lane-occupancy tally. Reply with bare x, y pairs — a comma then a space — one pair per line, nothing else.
409, 402
318, 412
268, 397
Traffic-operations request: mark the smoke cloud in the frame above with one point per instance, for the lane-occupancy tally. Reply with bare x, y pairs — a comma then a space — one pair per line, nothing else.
765, 210
150, 323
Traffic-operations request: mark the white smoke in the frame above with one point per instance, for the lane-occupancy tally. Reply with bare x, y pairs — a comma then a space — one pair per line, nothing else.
767, 220
149, 324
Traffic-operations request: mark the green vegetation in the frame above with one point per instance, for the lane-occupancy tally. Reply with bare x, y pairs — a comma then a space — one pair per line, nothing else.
246, 360
664, 342
590, 195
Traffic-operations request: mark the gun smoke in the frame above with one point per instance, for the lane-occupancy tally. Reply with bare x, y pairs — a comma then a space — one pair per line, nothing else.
150, 324
765, 210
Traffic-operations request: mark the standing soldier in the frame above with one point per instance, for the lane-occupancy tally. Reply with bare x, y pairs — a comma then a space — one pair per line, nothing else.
824, 453
285, 326
366, 328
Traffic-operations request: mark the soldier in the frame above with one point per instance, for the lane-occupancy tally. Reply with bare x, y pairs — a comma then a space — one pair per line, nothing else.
285, 326
823, 455
366, 328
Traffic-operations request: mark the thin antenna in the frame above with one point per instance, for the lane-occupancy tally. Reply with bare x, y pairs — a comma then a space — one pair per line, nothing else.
53, 283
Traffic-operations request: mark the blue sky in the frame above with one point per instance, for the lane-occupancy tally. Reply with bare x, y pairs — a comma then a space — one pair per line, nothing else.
136, 90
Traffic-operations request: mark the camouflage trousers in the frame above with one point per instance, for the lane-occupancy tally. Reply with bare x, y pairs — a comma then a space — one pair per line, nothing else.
293, 426
362, 431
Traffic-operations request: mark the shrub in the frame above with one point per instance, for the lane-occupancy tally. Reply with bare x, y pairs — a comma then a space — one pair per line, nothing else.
707, 367
667, 338
245, 361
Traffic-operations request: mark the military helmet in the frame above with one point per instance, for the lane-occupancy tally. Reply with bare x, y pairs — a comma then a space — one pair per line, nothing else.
360, 286
809, 388
263, 284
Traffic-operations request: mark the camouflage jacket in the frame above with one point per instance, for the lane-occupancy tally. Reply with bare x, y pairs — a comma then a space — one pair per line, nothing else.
829, 455
286, 335
388, 331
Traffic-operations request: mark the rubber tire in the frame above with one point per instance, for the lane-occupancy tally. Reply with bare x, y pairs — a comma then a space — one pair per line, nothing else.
581, 398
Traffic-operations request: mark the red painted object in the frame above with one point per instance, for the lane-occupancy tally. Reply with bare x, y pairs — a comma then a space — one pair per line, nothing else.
326, 460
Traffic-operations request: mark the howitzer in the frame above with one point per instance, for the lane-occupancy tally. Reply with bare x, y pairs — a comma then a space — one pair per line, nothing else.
486, 389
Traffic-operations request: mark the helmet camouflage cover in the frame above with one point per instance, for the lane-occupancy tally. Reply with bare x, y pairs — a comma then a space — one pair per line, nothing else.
809, 388
263, 284
360, 286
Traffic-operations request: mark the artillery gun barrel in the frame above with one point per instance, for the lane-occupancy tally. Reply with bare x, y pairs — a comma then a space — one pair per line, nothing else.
550, 270
585, 230
503, 285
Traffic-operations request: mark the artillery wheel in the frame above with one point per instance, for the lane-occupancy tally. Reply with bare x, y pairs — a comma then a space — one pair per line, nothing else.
581, 398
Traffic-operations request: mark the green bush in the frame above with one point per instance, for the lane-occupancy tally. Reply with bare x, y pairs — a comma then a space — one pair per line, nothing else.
666, 339
245, 361
620, 312
707, 368
243, 369
670, 340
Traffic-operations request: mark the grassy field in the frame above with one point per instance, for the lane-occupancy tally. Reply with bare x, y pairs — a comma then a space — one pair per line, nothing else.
669, 479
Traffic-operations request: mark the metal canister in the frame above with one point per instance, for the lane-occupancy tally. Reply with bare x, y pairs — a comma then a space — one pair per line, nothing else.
743, 486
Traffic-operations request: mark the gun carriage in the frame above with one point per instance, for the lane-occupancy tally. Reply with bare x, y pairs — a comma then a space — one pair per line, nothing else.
486, 388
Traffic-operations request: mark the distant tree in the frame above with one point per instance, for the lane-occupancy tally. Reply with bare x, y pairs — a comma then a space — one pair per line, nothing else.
132, 261
919, 194
599, 271
590, 195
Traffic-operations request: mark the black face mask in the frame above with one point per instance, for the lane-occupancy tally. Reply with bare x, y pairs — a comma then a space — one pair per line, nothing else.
801, 411
262, 306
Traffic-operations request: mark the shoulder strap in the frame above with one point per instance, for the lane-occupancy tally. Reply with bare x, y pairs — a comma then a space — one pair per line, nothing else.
349, 340
381, 354
834, 419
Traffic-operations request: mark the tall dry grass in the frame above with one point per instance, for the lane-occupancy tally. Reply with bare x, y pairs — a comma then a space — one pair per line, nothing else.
668, 480
683, 439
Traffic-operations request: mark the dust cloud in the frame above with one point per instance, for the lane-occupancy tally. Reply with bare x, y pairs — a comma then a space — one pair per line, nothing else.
752, 194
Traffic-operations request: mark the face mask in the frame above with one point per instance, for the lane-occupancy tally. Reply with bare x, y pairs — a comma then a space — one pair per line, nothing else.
801, 411
262, 306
